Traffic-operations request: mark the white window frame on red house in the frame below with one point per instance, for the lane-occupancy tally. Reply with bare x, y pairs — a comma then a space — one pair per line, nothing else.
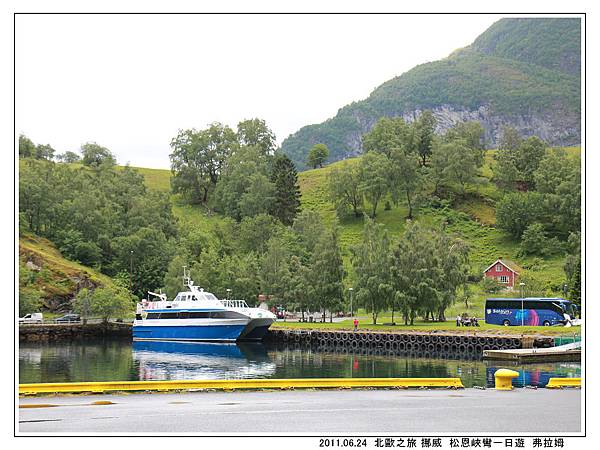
499, 267
504, 279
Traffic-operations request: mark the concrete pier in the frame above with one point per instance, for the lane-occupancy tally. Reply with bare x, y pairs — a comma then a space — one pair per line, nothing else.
468, 411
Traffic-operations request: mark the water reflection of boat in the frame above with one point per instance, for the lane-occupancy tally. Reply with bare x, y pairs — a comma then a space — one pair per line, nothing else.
187, 360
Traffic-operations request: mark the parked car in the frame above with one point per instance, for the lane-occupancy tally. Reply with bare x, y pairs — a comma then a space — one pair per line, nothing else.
32, 318
68, 318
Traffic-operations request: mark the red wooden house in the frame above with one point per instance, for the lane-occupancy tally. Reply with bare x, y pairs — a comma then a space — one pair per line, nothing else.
504, 271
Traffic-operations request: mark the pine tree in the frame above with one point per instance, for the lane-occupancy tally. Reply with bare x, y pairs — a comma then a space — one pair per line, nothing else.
287, 191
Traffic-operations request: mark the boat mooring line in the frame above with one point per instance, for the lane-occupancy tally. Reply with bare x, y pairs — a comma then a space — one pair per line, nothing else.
303, 383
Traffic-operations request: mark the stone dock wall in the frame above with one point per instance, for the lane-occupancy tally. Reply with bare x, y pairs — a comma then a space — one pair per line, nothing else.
70, 331
414, 344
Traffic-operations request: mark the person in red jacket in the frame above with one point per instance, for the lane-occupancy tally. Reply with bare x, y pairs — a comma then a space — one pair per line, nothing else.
355, 324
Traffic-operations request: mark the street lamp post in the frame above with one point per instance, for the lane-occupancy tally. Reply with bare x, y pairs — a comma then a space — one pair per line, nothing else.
351, 310
131, 271
522, 285
228, 294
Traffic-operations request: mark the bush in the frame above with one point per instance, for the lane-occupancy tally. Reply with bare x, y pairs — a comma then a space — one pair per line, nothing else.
534, 240
490, 285
103, 302
29, 302
515, 212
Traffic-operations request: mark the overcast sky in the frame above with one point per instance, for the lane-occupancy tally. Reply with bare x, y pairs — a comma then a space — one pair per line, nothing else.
130, 82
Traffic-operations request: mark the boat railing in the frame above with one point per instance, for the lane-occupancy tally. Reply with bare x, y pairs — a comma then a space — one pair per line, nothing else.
235, 303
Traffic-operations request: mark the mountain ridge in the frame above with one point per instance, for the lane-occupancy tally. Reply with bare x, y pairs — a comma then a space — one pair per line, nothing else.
504, 78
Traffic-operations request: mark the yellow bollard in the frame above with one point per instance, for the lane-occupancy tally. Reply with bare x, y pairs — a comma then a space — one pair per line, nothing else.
504, 379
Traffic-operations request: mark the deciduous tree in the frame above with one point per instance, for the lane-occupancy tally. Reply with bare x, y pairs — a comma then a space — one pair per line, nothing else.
374, 178
424, 133
327, 273
94, 155
406, 180
371, 260
317, 155
388, 134
256, 133
344, 189
103, 302
198, 158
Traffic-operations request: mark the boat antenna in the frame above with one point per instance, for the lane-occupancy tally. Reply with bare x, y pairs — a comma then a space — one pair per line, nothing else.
187, 281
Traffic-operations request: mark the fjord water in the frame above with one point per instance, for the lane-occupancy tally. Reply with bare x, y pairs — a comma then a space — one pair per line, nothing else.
120, 360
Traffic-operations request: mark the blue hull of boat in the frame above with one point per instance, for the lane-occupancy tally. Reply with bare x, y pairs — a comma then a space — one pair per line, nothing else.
256, 334
188, 333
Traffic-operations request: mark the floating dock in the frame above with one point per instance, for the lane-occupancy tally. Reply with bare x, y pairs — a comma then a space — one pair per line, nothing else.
569, 352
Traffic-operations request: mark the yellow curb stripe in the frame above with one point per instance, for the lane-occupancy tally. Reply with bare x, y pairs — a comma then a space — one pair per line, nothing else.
38, 405
37, 388
556, 383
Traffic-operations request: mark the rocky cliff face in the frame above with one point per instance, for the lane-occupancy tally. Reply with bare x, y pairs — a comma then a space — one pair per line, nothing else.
557, 128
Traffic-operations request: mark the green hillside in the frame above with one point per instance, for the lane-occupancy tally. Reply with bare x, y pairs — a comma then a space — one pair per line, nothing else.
550, 43
44, 272
522, 72
472, 217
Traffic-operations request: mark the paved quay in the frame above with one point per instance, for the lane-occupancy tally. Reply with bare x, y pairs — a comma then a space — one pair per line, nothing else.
308, 411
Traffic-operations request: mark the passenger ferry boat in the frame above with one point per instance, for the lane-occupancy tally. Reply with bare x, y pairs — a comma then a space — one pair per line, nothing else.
196, 315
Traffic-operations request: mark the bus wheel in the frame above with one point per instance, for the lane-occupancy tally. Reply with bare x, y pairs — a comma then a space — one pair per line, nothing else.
506, 323
546, 323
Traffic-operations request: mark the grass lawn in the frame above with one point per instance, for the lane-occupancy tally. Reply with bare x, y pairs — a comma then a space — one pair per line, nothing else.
366, 324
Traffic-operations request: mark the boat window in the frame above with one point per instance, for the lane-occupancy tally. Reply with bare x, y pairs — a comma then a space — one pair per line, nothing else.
153, 315
226, 315
210, 296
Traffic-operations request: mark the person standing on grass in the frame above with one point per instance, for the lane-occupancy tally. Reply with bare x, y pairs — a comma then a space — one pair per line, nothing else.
458, 320
355, 324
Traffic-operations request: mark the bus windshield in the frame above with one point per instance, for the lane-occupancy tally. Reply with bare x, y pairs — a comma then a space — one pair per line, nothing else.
570, 309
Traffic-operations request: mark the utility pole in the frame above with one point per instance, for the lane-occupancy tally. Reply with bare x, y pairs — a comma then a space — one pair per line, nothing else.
351, 310
522, 285
131, 271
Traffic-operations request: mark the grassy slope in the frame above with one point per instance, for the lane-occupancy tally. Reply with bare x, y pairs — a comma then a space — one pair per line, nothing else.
472, 218
59, 278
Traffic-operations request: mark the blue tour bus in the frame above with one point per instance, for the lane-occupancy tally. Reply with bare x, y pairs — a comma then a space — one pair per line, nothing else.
531, 311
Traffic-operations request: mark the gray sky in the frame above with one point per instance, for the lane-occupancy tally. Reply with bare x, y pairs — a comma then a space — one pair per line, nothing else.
130, 82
